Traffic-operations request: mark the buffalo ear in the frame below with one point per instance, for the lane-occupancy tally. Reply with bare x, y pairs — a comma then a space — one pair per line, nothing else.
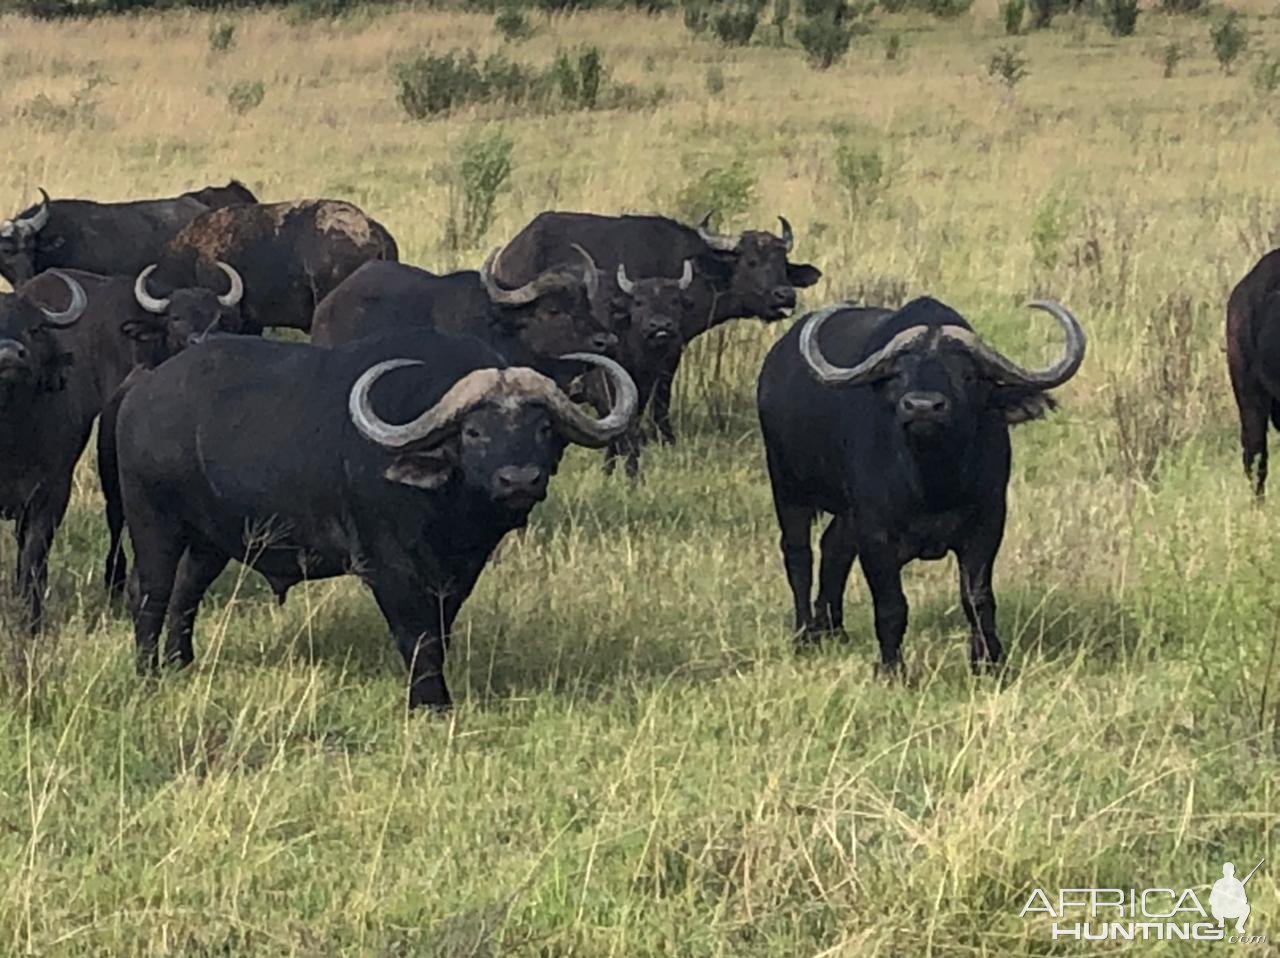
802, 275
1021, 403
141, 330
424, 470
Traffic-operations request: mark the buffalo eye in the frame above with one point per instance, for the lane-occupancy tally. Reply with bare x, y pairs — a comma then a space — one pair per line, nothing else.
544, 431
471, 432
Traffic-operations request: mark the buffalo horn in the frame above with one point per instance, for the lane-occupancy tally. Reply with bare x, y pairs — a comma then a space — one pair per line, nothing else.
232, 296
61, 319
625, 284
145, 299
717, 241
1003, 369
788, 237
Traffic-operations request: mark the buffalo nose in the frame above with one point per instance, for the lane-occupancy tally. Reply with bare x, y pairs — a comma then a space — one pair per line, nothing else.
784, 296
923, 405
519, 481
12, 352
603, 342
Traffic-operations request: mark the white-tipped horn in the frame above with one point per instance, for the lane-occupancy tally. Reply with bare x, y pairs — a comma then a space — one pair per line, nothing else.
624, 283
686, 277
145, 299
61, 319
232, 296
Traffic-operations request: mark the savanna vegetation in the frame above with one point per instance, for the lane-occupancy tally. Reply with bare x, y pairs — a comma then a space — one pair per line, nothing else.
639, 764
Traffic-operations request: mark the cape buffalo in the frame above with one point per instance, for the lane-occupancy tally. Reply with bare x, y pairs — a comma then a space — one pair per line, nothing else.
647, 317
555, 313
897, 424
106, 238
326, 485
160, 328
291, 255
47, 407
736, 276
1253, 360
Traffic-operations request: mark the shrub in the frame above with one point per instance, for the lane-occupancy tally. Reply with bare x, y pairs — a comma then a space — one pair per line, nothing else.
512, 25
825, 40
480, 174
893, 46
723, 192
1042, 12
715, 80
1170, 55
591, 76
1008, 65
434, 83
1050, 224
781, 14
1011, 12
324, 9
947, 9
734, 25
1266, 75
695, 15
861, 174
1183, 6
1229, 40
222, 37
246, 95
1120, 16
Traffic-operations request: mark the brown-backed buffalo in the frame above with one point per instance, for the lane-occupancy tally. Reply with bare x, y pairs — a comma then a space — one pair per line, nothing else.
159, 328
1253, 360
553, 314
290, 255
49, 397
741, 275
405, 461
112, 239
896, 424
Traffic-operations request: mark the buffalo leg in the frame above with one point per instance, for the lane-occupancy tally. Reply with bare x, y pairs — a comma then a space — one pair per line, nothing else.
157, 550
37, 525
976, 560
883, 573
1253, 441
839, 550
199, 567
797, 558
116, 571
417, 625
662, 403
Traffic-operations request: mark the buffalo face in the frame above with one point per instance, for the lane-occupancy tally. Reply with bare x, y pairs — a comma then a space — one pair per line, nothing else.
29, 354
186, 315
649, 311
18, 240
755, 269
499, 433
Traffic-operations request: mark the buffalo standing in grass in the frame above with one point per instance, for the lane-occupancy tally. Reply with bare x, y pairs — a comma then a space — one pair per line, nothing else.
555, 313
113, 239
160, 328
735, 276
326, 485
290, 255
897, 424
47, 407
1253, 360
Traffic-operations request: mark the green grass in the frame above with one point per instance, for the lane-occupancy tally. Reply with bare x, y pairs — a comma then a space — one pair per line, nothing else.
638, 764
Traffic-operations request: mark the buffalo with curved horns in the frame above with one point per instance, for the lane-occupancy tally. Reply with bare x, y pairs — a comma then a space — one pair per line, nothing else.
556, 312
405, 461
896, 424
747, 274
112, 239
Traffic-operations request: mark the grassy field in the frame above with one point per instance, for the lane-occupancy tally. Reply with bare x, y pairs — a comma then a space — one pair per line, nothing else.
638, 764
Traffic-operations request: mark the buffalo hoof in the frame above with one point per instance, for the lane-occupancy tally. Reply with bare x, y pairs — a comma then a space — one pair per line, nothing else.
806, 641
894, 672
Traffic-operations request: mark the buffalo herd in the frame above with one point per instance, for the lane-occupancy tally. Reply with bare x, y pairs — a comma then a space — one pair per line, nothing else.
426, 416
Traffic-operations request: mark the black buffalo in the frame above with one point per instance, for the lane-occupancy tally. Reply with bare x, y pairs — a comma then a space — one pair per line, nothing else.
291, 255
897, 424
326, 485
159, 328
1253, 360
742, 275
106, 238
646, 315
49, 397
555, 313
